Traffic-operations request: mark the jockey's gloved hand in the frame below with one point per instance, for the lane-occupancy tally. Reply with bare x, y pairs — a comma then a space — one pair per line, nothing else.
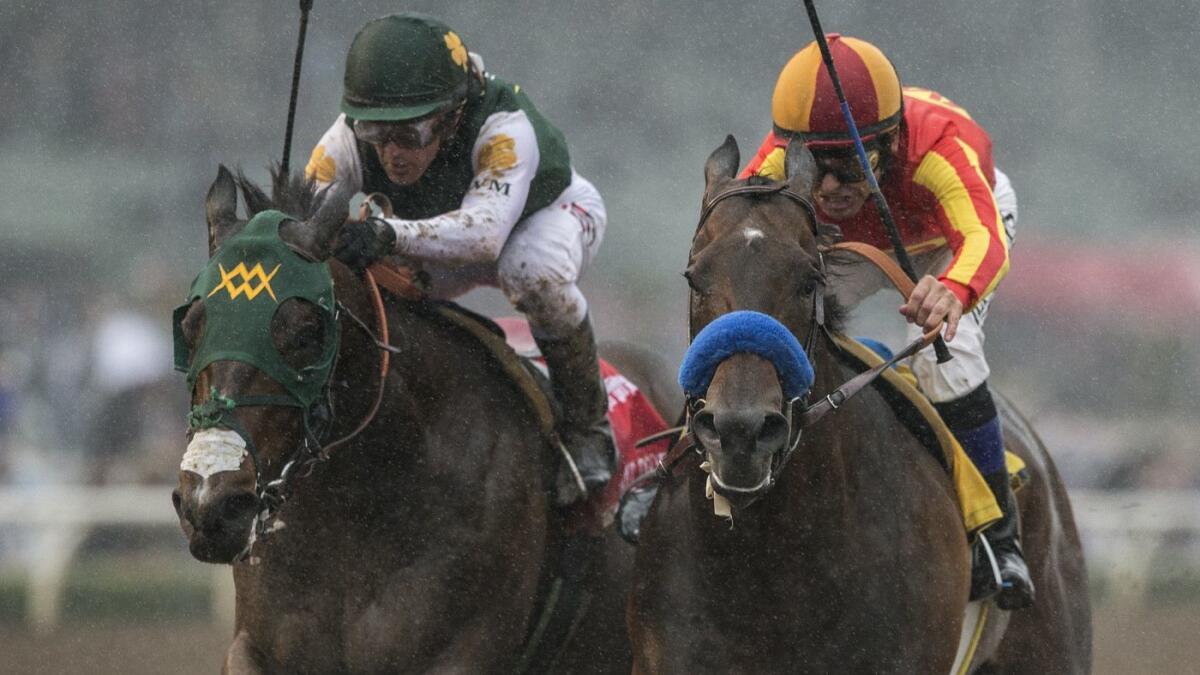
362, 242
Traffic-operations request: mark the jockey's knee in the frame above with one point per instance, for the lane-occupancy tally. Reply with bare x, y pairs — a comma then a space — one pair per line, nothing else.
959, 376
554, 306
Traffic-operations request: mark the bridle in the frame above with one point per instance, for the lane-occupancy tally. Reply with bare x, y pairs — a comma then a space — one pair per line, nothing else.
798, 413
311, 452
816, 325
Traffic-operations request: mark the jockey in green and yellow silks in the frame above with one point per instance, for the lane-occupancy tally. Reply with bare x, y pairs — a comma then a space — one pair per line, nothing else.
955, 213
484, 194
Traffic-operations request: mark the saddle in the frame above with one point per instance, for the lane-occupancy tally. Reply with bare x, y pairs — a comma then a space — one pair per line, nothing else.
898, 387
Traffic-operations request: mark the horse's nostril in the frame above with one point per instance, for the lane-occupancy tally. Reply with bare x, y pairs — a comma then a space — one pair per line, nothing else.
705, 428
238, 505
177, 501
774, 432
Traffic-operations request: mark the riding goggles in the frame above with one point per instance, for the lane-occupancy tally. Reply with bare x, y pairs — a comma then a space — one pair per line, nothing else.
846, 168
410, 135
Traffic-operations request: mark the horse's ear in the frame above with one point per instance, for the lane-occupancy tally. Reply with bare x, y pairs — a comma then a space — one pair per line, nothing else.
722, 164
799, 167
323, 227
220, 209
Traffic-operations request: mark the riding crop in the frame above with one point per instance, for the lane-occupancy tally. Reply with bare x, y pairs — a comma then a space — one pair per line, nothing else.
305, 6
885, 214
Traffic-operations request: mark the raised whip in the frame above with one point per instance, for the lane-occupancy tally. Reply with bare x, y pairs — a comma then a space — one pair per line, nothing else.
305, 7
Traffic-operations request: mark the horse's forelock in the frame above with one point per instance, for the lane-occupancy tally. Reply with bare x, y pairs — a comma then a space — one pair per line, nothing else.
293, 194
717, 229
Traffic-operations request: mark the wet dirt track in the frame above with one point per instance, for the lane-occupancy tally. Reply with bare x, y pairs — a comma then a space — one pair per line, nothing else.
1128, 641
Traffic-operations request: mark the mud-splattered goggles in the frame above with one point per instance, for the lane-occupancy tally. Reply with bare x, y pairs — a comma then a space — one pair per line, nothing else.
409, 134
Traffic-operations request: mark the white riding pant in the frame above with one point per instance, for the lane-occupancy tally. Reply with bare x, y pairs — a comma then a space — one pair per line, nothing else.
541, 264
968, 369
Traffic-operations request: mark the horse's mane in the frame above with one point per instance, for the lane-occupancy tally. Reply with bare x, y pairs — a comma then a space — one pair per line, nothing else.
836, 314
293, 194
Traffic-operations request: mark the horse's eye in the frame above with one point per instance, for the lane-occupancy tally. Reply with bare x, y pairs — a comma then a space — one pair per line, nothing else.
296, 331
193, 323
811, 283
691, 281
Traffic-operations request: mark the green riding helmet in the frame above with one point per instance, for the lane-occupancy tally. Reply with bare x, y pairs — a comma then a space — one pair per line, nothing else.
402, 67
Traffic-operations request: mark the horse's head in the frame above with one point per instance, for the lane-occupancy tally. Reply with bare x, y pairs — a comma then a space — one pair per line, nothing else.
756, 249
257, 337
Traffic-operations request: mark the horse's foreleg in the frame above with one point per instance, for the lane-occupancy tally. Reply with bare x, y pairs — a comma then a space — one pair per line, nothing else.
242, 657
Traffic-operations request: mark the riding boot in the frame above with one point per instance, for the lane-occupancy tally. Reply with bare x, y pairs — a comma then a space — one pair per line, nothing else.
584, 427
976, 424
1016, 585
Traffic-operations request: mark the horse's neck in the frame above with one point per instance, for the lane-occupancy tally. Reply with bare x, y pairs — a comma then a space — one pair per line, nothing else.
442, 389
847, 457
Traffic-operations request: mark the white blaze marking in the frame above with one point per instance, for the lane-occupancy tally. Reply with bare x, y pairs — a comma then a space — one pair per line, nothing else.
752, 233
212, 451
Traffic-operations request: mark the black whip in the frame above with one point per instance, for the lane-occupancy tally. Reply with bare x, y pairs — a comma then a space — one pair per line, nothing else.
885, 214
305, 7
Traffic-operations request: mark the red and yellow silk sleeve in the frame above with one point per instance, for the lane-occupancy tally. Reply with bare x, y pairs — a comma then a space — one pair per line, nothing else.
969, 217
768, 161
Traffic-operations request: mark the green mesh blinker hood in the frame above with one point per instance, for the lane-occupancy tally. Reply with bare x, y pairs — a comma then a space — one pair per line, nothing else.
250, 276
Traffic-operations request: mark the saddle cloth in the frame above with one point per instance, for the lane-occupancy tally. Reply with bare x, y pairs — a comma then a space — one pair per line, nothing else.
631, 414
975, 499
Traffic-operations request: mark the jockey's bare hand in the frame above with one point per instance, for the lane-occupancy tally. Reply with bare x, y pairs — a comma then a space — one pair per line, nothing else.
932, 301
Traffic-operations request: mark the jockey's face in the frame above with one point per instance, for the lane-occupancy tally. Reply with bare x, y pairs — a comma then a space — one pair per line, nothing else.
405, 166
840, 200
843, 189
406, 149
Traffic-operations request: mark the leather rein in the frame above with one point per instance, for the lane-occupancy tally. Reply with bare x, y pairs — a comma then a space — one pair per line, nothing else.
305, 458
799, 414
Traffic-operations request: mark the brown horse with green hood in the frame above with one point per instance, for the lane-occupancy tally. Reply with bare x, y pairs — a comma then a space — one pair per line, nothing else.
376, 479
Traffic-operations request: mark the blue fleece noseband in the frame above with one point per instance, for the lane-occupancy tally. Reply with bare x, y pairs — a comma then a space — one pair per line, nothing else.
748, 332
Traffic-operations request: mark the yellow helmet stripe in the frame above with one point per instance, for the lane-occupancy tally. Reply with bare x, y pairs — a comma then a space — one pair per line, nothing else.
793, 101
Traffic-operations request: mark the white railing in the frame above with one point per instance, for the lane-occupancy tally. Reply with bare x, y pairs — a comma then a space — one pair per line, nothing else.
59, 518
1122, 532
1125, 532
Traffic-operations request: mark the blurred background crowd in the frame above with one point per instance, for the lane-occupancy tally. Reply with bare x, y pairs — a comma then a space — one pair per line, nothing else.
114, 116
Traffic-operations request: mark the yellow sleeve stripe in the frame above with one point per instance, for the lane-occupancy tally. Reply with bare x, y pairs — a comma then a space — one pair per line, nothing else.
973, 158
939, 176
773, 167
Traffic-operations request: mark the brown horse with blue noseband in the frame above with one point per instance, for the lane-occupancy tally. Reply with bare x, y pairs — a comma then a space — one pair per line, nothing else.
371, 472
843, 549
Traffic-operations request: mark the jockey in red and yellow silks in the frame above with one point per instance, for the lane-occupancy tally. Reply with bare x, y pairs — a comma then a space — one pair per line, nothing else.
939, 189
955, 213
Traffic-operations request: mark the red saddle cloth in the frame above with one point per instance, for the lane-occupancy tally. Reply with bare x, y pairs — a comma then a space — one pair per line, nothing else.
630, 412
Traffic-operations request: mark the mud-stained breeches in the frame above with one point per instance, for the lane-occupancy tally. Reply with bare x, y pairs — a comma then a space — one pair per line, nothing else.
541, 263
969, 368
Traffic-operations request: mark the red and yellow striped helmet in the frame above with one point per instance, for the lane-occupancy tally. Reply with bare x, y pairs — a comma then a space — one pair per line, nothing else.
806, 104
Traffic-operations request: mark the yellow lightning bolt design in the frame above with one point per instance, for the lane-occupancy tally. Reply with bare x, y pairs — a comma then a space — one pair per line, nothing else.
256, 273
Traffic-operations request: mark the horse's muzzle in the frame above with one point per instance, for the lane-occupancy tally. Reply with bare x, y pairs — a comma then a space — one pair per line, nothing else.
216, 522
741, 497
741, 445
